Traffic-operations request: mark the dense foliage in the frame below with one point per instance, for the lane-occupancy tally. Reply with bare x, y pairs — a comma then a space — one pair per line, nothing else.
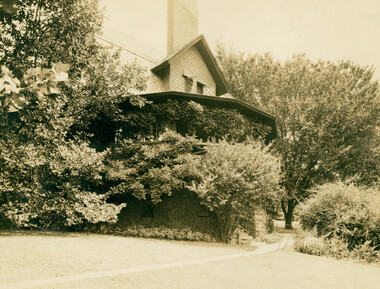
192, 119
39, 34
328, 117
183, 234
50, 175
308, 243
149, 170
234, 179
47, 181
230, 179
346, 211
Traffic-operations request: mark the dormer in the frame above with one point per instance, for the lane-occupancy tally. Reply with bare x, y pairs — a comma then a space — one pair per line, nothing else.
192, 69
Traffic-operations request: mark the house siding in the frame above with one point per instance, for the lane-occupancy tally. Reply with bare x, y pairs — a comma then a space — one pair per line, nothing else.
164, 75
191, 64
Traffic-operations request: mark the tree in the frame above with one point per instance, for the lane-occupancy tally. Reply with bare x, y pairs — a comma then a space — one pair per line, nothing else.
41, 32
327, 113
50, 175
233, 180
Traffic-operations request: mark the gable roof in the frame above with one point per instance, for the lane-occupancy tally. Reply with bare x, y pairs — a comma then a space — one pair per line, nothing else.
208, 57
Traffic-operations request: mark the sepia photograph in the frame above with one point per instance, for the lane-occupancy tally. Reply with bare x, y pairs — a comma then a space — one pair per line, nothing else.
182, 144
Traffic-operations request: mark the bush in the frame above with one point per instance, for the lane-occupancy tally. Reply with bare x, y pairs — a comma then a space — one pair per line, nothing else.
233, 180
52, 187
184, 234
149, 170
269, 238
366, 252
351, 213
308, 243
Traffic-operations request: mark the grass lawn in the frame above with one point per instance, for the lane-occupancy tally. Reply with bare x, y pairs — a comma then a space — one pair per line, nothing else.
29, 256
283, 269
40, 256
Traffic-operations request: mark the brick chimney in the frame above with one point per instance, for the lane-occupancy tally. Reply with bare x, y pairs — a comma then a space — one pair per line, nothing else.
183, 23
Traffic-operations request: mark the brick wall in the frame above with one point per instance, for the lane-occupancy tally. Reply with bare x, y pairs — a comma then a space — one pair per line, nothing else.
191, 64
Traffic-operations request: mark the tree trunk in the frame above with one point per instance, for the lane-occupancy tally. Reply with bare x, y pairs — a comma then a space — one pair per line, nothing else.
288, 213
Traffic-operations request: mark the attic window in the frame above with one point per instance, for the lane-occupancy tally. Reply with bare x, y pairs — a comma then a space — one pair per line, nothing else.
200, 87
188, 83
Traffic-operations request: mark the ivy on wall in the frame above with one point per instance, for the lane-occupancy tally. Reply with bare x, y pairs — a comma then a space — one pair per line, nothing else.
190, 118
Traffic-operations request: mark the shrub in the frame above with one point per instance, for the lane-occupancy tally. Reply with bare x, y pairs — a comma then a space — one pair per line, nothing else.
351, 213
306, 242
149, 170
309, 244
185, 234
233, 180
269, 238
366, 252
52, 187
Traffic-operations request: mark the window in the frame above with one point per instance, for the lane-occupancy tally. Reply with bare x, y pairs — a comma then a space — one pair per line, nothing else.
188, 83
200, 87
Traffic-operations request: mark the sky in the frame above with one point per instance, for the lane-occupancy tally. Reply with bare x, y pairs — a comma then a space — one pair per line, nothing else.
322, 29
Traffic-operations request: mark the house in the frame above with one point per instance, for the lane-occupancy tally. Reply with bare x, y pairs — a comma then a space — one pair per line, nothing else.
189, 72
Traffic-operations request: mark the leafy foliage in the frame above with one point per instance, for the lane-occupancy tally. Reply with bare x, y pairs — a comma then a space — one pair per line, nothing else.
308, 243
150, 170
349, 212
41, 33
184, 234
50, 175
327, 115
52, 187
233, 179
36, 84
192, 119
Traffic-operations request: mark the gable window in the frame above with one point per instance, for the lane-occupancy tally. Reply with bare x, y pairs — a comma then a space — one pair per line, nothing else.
188, 83
200, 88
